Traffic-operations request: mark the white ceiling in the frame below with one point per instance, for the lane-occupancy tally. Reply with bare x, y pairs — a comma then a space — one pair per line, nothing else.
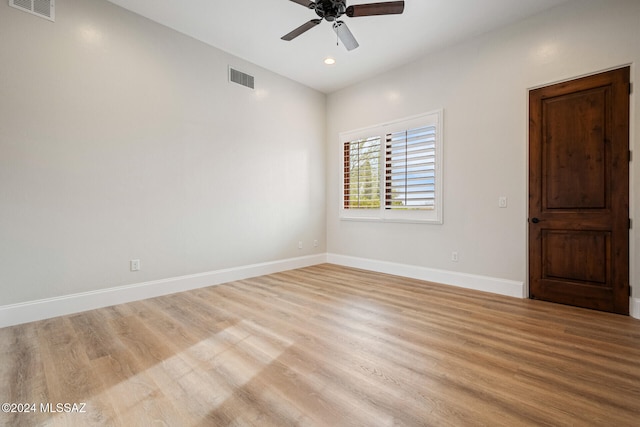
251, 29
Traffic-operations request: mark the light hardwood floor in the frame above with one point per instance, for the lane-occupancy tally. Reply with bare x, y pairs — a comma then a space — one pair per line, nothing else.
326, 346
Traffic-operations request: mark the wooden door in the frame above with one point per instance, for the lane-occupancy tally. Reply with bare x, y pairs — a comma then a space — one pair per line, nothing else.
579, 192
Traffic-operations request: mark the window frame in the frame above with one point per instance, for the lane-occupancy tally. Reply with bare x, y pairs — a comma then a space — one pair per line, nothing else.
383, 214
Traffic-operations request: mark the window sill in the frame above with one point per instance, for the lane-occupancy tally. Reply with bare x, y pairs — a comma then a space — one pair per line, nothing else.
392, 220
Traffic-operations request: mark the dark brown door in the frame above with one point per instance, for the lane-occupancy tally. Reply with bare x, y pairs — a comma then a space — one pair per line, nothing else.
579, 192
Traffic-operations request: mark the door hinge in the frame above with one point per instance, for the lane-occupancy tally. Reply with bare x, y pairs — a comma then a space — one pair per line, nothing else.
630, 156
630, 88
630, 223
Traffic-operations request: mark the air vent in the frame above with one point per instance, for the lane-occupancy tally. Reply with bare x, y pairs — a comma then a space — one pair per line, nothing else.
43, 8
241, 78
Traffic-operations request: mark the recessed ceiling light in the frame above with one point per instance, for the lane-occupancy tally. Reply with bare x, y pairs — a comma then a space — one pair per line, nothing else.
329, 61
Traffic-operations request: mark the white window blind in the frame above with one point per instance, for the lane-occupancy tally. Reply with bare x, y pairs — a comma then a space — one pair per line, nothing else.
411, 169
393, 172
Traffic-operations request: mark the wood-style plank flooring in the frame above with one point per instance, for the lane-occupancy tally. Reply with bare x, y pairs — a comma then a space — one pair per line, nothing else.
326, 346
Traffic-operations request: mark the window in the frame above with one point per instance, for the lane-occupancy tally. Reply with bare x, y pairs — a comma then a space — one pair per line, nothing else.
408, 169
361, 173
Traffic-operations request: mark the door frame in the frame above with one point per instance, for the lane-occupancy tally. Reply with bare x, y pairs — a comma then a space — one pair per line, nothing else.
634, 303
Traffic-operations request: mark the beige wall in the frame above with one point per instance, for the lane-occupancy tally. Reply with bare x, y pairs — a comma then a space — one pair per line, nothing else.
121, 139
482, 85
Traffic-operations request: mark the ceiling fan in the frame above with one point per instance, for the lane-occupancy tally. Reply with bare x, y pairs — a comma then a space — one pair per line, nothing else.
332, 10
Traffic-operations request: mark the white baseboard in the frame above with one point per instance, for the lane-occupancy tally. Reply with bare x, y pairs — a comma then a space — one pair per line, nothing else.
634, 307
494, 285
31, 311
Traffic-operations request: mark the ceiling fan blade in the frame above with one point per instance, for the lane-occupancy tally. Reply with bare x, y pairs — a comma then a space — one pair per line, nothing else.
305, 3
301, 29
345, 36
370, 9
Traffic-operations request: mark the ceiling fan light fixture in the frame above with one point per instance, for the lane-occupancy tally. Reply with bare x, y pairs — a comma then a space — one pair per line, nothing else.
332, 10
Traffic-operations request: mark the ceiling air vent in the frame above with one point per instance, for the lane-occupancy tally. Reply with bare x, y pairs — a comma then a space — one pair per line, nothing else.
43, 8
241, 78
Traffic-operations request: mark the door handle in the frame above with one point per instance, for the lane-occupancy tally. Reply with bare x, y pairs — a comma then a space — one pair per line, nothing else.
535, 220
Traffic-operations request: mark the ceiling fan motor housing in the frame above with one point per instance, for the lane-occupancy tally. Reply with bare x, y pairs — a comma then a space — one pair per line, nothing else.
330, 9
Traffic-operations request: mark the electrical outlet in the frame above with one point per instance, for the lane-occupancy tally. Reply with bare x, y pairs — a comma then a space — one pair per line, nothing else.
300, 244
135, 265
315, 243
454, 256
502, 201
